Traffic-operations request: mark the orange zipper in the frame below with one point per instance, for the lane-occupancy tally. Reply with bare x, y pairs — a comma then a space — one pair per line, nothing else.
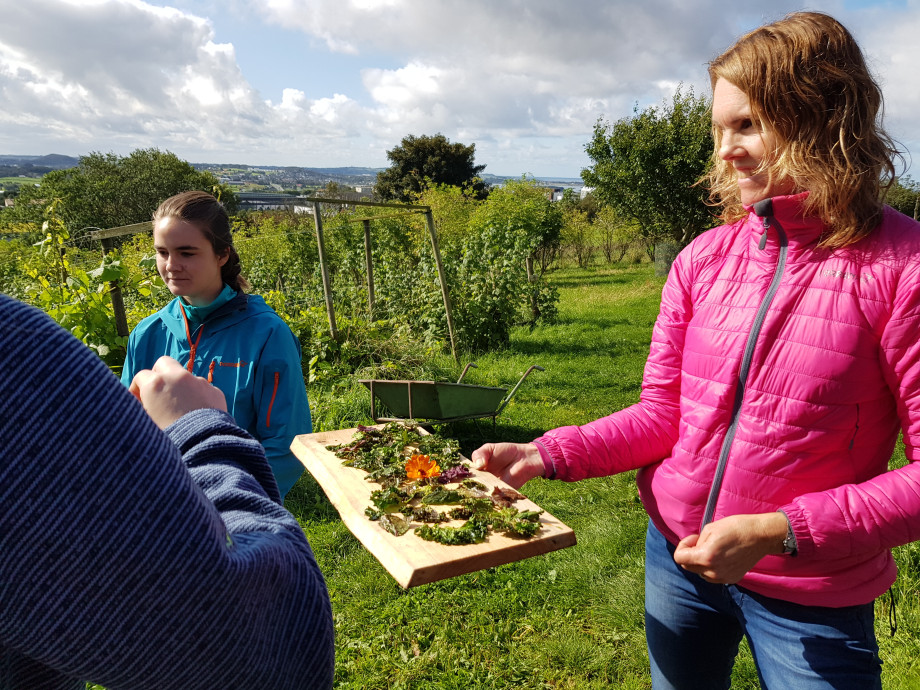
268, 417
193, 347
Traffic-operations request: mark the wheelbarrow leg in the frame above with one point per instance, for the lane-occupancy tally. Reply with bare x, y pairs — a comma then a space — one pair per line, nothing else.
373, 404
479, 427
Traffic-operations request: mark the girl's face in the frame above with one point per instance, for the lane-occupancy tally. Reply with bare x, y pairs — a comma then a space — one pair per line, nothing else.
745, 144
187, 262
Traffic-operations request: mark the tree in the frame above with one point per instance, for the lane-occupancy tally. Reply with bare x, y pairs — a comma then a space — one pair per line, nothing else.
419, 162
647, 167
904, 195
106, 190
578, 236
614, 234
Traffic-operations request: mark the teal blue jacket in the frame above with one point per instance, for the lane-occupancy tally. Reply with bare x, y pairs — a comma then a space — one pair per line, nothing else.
246, 350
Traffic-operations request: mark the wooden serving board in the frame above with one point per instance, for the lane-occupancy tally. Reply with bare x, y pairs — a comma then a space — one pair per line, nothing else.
410, 559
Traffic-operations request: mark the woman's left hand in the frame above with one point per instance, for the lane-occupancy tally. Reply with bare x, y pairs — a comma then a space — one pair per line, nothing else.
726, 549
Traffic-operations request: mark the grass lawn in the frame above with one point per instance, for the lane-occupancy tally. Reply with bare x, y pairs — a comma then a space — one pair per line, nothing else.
570, 619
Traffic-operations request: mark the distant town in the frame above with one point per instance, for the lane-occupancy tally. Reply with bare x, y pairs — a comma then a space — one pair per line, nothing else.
18, 170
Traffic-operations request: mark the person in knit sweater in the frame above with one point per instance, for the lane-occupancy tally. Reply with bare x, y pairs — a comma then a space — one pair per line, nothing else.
142, 549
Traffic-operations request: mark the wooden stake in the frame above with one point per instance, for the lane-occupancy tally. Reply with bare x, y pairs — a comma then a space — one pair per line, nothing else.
327, 287
444, 293
368, 259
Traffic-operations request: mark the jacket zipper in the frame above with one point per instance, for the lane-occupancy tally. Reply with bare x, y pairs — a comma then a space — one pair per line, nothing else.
193, 347
744, 372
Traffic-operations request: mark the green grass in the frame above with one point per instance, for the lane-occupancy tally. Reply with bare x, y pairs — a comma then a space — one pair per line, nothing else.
569, 619
17, 181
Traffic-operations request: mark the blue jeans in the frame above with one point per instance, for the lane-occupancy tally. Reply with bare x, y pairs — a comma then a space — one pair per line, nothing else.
693, 629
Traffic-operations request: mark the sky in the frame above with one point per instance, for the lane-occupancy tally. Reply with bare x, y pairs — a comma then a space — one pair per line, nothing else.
335, 83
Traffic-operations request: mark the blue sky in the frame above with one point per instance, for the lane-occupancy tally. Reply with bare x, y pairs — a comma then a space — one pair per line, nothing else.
329, 83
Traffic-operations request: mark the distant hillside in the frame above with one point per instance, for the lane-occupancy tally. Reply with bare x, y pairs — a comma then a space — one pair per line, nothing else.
362, 172
52, 161
34, 166
335, 172
287, 176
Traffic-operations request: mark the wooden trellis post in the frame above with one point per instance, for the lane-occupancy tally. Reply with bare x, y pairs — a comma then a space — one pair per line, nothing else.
405, 208
105, 236
118, 304
368, 260
324, 269
444, 293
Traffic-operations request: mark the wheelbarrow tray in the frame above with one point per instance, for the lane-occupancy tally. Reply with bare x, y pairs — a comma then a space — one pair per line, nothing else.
440, 400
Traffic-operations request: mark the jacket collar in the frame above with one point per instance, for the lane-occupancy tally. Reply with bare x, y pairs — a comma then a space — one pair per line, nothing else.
788, 211
225, 316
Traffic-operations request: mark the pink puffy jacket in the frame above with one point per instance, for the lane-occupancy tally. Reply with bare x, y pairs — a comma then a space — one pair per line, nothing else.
778, 379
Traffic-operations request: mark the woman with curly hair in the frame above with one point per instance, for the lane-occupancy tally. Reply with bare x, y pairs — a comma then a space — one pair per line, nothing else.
783, 365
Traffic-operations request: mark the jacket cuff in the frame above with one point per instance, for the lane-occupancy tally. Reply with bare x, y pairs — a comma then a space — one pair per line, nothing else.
553, 463
192, 426
549, 468
804, 544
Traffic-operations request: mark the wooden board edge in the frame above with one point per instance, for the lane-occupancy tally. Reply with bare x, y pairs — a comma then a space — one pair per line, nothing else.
442, 571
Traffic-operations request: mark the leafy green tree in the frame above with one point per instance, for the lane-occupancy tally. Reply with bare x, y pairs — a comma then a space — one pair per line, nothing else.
578, 234
492, 287
647, 167
614, 234
419, 162
904, 195
106, 190
525, 206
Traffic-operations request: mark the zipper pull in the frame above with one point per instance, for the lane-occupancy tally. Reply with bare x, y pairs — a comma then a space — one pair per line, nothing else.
764, 209
763, 238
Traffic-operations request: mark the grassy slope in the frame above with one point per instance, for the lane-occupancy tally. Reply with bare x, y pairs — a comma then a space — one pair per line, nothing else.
571, 619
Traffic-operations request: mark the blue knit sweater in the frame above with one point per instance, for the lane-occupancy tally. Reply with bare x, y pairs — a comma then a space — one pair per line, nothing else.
135, 558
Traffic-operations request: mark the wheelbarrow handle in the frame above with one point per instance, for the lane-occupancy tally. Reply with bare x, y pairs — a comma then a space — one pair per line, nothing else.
514, 390
466, 369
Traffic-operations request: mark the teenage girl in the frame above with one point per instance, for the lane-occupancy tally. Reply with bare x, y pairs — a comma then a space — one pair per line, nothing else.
219, 332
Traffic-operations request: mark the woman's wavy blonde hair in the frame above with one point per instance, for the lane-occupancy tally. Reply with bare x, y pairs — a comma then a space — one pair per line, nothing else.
808, 83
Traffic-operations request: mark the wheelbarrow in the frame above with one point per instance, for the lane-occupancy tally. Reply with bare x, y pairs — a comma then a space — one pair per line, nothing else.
440, 401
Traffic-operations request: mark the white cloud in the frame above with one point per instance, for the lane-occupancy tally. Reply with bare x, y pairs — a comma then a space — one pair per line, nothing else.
524, 80
894, 56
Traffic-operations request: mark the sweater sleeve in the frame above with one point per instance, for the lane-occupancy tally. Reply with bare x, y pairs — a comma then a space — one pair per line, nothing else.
643, 433
883, 512
135, 558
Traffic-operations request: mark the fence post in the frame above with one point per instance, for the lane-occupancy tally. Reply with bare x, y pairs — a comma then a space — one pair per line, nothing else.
368, 259
437, 258
327, 288
118, 304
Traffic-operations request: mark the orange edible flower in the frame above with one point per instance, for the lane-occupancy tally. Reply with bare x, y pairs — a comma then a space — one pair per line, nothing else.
422, 467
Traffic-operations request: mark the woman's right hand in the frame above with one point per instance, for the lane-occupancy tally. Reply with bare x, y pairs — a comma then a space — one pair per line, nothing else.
513, 463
